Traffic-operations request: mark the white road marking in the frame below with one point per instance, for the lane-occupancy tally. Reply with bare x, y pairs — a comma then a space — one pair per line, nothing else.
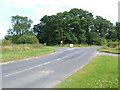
58, 59
64, 50
65, 56
27, 69
38, 65
34, 57
62, 57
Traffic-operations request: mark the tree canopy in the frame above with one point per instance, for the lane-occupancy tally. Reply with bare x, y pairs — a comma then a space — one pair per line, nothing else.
20, 25
75, 26
21, 32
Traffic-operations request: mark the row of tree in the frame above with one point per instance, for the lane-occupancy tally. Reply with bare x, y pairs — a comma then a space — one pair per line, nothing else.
75, 26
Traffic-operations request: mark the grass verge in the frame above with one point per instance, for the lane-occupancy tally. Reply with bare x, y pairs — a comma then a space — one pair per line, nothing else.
14, 56
109, 50
102, 72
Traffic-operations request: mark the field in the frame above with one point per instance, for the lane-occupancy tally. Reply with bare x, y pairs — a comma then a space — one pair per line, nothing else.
102, 72
16, 52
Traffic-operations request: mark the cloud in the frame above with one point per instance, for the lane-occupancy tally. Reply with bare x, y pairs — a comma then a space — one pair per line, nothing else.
3, 28
3, 31
36, 9
105, 8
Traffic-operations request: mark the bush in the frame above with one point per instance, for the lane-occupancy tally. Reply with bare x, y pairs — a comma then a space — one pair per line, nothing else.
101, 41
14, 39
113, 44
27, 40
5, 42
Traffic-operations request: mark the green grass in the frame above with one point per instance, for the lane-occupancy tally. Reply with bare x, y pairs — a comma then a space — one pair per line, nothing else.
31, 51
102, 72
110, 50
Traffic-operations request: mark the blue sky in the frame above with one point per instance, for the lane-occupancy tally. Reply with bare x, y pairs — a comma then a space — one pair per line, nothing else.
36, 9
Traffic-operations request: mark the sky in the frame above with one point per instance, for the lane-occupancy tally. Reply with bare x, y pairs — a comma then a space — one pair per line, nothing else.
36, 9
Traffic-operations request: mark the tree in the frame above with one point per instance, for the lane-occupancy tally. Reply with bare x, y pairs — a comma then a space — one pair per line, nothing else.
20, 25
75, 26
102, 26
113, 34
117, 28
100, 41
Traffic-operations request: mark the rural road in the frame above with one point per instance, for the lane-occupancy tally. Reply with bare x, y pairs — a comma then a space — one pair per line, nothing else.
46, 71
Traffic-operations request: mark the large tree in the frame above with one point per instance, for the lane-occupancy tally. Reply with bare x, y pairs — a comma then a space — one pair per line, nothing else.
21, 32
20, 25
75, 26
117, 28
102, 26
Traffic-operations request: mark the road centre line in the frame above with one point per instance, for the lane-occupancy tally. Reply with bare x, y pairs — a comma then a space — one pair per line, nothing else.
33, 67
36, 66
65, 50
27, 69
62, 57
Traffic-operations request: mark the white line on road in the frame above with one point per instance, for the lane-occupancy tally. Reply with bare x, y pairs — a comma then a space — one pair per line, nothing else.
62, 58
27, 69
58, 59
37, 65
64, 50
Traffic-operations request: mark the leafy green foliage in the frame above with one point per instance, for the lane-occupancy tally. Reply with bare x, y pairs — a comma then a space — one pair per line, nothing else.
76, 26
117, 27
113, 44
21, 32
27, 40
101, 41
14, 39
21, 25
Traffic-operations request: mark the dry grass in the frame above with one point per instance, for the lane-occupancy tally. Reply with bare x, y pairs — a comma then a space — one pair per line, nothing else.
20, 47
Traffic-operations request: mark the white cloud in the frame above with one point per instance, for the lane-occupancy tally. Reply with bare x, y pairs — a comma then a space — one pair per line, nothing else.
105, 8
3, 31
36, 9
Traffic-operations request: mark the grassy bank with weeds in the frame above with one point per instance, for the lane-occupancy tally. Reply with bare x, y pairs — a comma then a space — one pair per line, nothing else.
23, 51
102, 72
110, 50
20, 47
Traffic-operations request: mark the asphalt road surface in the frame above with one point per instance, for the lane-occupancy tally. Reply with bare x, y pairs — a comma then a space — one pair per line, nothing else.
46, 71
